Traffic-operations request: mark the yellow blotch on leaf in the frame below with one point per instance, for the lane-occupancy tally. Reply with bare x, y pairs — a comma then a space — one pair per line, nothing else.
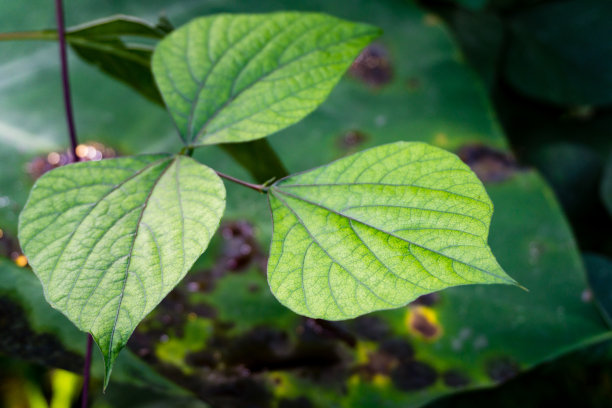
380, 380
422, 322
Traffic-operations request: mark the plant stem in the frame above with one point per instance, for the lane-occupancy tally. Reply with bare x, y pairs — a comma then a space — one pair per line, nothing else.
61, 31
187, 151
257, 187
29, 35
86, 369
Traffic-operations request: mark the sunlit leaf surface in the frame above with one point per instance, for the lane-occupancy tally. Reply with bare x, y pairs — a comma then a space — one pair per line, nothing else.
378, 229
233, 78
110, 239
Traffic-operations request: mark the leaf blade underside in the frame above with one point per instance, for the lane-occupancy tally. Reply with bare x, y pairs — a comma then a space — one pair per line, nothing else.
233, 78
377, 229
110, 239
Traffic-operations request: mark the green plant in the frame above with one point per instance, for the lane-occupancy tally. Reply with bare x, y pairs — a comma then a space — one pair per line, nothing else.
371, 231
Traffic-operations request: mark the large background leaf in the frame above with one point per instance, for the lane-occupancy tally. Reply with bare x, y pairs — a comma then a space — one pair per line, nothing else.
103, 239
553, 54
377, 229
234, 78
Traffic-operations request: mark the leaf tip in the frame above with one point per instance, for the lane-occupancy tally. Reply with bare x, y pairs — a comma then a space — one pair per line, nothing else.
108, 369
521, 287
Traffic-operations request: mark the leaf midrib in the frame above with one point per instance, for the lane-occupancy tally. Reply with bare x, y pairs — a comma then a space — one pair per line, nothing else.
191, 134
127, 267
385, 185
110, 191
329, 255
296, 197
203, 133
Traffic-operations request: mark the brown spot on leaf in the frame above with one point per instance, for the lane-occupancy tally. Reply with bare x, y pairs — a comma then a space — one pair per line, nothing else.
398, 348
202, 358
454, 378
352, 139
373, 66
490, 165
502, 369
254, 288
239, 247
413, 375
391, 353
379, 363
370, 327
422, 322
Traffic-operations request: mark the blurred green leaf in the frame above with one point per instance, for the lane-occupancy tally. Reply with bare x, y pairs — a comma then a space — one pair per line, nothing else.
102, 238
558, 52
234, 78
599, 269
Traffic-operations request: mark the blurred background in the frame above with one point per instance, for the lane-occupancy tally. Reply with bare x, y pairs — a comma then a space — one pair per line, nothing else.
521, 90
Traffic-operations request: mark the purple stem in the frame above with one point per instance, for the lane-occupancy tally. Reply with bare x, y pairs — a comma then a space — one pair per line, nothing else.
256, 187
86, 370
61, 31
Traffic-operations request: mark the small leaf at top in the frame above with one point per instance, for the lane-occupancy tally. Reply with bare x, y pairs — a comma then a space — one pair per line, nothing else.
232, 78
109, 239
102, 43
377, 229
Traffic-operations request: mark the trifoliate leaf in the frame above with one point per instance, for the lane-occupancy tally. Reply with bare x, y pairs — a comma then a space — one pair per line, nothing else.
377, 229
232, 78
109, 239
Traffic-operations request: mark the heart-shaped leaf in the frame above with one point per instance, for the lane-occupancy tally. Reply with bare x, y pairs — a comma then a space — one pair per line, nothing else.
377, 229
232, 78
110, 239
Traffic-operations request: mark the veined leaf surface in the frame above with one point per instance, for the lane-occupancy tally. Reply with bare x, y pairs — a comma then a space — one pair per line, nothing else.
110, 239
232, 78
377, 229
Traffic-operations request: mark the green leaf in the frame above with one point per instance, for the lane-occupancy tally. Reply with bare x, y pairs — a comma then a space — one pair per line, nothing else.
553, 53
599, 273
100, 43
110, 239
232, 78
378, 229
